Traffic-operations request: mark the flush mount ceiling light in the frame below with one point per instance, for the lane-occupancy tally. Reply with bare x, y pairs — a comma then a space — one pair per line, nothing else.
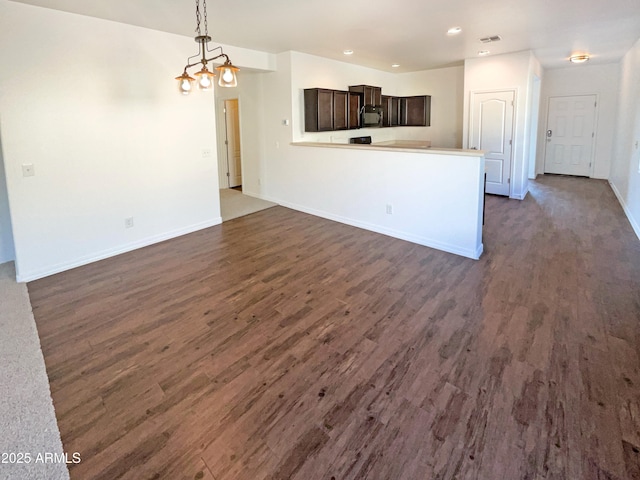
581, 58
483, 53
205, 76
395, 65
454, 31
347, 52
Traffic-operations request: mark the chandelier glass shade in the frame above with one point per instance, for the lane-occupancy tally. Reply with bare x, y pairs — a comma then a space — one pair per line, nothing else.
205, 77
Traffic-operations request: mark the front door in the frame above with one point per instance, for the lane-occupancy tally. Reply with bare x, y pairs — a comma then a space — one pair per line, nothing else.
234, 157
491, 130
570, 132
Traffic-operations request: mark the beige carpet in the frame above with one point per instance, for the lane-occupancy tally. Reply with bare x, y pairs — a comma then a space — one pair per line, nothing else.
28, 428
234, 204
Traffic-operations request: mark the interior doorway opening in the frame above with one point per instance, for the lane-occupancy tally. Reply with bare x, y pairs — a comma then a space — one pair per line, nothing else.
231, 161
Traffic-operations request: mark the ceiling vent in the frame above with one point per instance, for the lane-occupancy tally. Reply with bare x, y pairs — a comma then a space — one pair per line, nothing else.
493, 38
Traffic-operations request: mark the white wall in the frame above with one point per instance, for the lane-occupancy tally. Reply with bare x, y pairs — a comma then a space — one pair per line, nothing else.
625, 168
276, 137
6, 232
97, 112
514, 71
354, 186
446, 87
585, 79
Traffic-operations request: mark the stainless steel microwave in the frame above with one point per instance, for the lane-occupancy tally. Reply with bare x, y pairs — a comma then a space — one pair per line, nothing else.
371, 116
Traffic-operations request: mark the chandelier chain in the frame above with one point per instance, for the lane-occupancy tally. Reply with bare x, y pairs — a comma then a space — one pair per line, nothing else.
204, 10
198, 17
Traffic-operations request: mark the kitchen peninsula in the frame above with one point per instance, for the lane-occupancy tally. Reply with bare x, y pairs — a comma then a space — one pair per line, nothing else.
405, 189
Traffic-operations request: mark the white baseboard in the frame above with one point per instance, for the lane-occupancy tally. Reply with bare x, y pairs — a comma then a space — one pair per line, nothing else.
427, 242
112, 252
627, 212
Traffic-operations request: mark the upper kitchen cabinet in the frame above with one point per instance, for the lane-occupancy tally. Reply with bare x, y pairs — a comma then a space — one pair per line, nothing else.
340, 110
370, 95
415, 111
326, 110
318, 110
391, 109
354, 110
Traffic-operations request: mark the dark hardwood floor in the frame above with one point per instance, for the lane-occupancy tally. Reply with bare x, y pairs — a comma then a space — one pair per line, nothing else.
285, 346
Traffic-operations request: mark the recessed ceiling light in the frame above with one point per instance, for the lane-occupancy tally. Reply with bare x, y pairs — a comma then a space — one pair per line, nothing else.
483, 53
454, 31
348, 52
581, 58
395, 65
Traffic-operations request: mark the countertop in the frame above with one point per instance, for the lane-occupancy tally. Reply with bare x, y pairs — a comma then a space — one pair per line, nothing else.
413, 146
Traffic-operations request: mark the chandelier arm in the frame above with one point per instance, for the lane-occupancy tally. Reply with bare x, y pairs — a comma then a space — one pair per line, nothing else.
219, 47
218, 56
196, 63
204, 61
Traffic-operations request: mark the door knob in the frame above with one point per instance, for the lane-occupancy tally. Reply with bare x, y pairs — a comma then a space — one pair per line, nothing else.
549, 133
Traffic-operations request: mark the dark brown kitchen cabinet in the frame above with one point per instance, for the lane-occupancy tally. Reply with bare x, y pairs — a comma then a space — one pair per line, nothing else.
354, 110
370, 95
415, 111
386, 110
340, 110
395, 111
326, 110
318, 110
391, 111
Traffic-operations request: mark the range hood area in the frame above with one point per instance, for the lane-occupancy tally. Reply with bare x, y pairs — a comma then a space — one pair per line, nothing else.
362, 106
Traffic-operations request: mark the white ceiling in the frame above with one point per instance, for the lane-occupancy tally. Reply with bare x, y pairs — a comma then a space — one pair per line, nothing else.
411, 33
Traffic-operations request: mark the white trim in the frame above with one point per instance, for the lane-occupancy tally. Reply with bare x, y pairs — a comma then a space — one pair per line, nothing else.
145, 242
427, 242
521, 196
632, 221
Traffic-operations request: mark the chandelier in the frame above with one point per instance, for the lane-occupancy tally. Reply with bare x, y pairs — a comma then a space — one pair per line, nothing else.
205, 77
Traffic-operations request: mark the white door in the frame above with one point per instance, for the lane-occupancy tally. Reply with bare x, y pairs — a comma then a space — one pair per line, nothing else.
491, 130
570, 132
234, 157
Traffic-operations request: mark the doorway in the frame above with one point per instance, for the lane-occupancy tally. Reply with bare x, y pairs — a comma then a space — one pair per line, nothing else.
491, 130
570, 135
232, 161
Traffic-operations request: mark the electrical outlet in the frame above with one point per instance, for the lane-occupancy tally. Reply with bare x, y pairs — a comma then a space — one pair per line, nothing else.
206, 153
389, 209
128, 222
